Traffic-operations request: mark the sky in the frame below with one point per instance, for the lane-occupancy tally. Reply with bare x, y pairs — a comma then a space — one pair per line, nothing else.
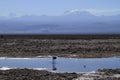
57, 7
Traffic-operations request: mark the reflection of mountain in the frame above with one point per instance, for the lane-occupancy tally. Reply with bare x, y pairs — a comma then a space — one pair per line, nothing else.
71, 22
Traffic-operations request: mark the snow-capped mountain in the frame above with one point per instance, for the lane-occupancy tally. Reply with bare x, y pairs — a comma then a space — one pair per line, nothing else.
77, 12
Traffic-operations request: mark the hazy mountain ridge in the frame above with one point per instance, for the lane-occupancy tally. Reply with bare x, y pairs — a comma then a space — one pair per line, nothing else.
70, 22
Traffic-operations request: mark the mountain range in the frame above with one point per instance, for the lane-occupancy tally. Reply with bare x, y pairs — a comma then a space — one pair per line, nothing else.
71, 22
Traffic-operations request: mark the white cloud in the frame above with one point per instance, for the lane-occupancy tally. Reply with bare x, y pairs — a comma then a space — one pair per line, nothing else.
96, 12
103, 12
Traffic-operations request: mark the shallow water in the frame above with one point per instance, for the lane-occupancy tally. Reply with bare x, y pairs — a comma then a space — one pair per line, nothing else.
62, 64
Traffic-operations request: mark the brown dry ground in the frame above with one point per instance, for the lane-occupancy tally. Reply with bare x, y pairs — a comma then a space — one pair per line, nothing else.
110, 73
60, 47
101, 74
28, 74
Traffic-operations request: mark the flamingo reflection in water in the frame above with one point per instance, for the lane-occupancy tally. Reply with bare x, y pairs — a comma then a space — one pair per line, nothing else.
54, 63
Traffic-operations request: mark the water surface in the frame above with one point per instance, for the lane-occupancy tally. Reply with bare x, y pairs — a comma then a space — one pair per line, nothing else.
62, 64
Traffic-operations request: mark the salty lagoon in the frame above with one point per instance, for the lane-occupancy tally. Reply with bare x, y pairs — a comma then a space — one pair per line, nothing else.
62, 64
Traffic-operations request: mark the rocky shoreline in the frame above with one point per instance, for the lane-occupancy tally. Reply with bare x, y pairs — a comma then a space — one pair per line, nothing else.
101, 74
30, 74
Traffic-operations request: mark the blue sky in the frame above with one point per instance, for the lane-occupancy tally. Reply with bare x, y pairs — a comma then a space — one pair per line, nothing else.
57, 7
